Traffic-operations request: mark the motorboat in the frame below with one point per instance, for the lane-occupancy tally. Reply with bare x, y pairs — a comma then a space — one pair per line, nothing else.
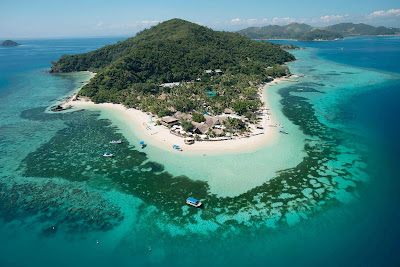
108, 155
282, 131
116, 142
177, 147
193, 202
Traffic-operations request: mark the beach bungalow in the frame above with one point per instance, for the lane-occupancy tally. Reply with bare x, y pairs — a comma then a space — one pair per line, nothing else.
180, 115
168, 120
218, 71
210, 123
228, 111
201, 128
208, 71
217, 131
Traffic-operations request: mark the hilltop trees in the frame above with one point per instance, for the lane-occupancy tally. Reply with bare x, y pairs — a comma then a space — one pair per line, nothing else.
131, 72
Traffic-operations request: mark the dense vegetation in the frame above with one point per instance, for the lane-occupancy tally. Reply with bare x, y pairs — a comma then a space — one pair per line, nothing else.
317, 34
289, 46
290, 31
9, 43
130, 72
349, 29
305, 32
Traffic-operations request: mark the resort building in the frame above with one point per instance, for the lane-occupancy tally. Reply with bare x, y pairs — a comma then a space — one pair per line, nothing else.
180, 115
200, 128
168, 120
228, 111
210, 123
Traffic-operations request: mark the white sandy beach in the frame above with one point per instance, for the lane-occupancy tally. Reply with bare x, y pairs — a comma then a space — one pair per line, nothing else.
160, 136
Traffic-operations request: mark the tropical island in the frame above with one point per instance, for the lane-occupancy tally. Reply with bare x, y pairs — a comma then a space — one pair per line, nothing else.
201, 84
304, 32
9, 43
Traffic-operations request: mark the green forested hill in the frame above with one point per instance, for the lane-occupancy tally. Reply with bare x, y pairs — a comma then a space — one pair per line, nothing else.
290, 31
349, 29
131, 71
318, 34
304, 32
204, 48
294, 31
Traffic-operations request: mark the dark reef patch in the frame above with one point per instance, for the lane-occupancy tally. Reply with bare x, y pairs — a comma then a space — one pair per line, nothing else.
60, 205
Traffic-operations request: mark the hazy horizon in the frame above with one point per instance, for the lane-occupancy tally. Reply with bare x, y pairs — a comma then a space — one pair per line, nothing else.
57, 19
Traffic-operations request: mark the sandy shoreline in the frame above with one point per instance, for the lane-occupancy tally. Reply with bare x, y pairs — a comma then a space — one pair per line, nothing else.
137, 121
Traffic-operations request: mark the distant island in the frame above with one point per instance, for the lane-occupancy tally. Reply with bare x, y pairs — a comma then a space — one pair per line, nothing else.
183, 73
304, 32
9, 43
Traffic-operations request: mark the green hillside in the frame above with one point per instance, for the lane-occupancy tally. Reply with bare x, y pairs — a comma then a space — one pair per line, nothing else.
130, 72
290, 31
349, 29
304, 32
318, 34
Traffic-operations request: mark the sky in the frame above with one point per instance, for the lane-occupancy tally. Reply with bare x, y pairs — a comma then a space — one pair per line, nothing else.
91, 18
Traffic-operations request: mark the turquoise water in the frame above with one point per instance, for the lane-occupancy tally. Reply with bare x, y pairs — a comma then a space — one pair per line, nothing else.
326, 194
211, 93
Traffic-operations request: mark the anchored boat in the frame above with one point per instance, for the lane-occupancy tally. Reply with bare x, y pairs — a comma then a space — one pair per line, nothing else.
108, 155
193, 202
141, 144
177, 147
282, 131
116, 142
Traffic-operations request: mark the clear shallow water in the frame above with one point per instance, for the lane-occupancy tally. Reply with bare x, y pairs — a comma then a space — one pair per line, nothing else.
338, 203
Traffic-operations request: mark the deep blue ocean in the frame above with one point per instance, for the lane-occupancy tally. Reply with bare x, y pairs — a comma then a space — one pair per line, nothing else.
38, 174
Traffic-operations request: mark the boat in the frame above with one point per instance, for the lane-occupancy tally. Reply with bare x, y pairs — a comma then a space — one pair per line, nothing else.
177, 147
108, 155
189, 141
115, 141
282, 131
193, 202
141, 144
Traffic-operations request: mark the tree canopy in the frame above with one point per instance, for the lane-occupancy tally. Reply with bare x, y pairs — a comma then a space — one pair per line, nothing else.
131, 72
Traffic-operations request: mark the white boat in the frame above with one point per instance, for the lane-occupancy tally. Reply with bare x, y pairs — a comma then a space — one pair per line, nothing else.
116, 142
108, 155
193, 202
